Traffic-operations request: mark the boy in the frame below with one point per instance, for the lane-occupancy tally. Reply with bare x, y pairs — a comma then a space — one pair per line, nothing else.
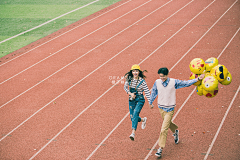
165, 89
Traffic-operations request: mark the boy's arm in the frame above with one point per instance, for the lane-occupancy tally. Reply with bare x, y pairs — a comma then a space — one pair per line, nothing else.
181, 84
154, 93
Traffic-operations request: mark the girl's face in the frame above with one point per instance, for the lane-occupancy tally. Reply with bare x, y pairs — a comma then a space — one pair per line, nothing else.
135, 73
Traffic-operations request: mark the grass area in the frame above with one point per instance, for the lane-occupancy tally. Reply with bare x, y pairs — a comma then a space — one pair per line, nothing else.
17, 16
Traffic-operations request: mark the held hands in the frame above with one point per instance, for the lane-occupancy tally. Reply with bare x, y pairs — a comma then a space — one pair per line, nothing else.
151, 106
132, 95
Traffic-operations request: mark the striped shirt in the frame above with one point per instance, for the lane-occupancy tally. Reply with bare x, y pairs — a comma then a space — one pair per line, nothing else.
140, 89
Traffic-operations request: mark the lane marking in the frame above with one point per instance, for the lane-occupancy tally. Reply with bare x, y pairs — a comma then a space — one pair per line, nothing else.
228, 43
220, 126
105, 92
48, 21
65, 33
169, 71
215, 137
76, 42
82, 55
149, 153
195, 88
76, 84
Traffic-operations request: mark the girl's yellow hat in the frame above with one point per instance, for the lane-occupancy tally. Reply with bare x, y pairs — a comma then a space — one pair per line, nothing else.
135, 66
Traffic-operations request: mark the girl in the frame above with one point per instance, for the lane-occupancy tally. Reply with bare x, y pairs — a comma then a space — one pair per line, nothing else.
136, 83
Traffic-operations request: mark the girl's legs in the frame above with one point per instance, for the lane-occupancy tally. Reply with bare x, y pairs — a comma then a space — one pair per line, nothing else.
134, 130
136, 118
135, 109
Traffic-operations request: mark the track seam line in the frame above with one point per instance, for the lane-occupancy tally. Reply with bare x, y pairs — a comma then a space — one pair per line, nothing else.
48, 21
65, 33
82, 56
215, 137
195, 87
105, 91
74, 42
74, 85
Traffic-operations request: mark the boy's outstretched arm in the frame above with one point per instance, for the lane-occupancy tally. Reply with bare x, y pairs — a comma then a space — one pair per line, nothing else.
154, 94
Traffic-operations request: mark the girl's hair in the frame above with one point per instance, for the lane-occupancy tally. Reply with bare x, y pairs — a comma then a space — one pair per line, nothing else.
129, 75
163, 70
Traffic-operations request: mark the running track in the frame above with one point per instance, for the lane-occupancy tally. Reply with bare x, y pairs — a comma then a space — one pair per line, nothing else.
62, 97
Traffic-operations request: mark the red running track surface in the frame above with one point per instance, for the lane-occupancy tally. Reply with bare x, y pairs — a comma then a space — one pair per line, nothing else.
60, 98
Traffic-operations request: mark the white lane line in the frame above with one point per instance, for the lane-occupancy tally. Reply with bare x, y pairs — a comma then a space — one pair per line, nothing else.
215, 137
65, 33
74, 42
172, 119
48, 21
169, 71
82, 55
103, 93
220, 126
194, 88
76, 84
228, 43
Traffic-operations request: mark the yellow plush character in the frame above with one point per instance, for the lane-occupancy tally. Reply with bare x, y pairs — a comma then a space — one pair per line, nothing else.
220, 71
210, 63
200, 90
228, 80
197, 66
209, 83
210, 94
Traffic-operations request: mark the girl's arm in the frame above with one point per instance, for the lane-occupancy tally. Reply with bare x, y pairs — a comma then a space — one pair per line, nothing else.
146, 90
126, 87
154, 93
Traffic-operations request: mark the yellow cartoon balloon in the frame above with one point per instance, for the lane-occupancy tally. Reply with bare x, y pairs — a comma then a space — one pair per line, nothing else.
209, 83
197, 66
210, 63
200, 90
193, 76
210, 94
220, 71
228, 80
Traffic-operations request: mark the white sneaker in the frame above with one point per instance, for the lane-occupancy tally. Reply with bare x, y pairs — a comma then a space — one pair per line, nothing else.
144, 122
132, 136
159, 153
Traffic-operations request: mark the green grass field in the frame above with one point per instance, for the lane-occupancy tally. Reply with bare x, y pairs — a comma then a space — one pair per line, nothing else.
17, 16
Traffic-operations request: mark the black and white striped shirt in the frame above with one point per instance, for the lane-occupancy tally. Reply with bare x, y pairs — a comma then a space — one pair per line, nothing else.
140, 89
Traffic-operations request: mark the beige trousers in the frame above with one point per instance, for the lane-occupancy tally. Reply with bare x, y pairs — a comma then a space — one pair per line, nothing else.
167, 123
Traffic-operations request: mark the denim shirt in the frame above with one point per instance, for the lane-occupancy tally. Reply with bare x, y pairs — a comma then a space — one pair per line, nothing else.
178, 84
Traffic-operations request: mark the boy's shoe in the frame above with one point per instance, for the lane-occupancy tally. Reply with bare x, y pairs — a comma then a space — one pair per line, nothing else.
144, 122
132, 136
176, 136
159, 152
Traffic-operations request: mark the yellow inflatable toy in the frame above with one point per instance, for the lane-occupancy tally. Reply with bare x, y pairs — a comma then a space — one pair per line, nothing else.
210, 94
228, 80
200, 90
214, 73
210, 63
193, 76
209, 83
220, 71
197, 66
